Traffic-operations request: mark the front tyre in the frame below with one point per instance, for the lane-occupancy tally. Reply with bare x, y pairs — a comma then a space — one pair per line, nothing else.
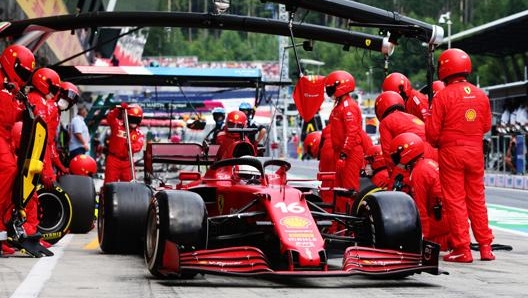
176, 222
391, 221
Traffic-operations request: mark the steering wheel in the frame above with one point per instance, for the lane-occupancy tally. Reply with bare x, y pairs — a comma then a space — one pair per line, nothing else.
278, 163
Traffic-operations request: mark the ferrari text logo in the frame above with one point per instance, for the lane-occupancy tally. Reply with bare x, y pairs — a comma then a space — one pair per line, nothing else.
471, 115
295, 222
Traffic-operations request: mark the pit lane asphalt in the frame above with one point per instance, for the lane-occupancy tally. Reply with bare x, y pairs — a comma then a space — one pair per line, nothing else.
79, 269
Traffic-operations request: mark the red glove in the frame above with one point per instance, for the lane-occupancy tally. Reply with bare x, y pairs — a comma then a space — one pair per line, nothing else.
47, 182
124, 105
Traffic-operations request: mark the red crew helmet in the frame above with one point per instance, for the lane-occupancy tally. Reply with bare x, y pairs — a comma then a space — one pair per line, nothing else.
339, 83
18, 62
387, 102
236, 119
453, 62
134, 114
46, 81
406, 148
68, 93
398, 83
311, 144
83, 165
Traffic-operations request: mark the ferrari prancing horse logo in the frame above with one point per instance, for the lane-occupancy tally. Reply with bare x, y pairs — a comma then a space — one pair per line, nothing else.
220, 202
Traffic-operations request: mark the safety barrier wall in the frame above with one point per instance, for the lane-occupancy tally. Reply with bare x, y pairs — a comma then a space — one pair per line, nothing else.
506, 180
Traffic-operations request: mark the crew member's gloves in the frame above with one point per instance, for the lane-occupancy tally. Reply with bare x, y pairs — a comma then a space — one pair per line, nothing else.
340, 164
124, 105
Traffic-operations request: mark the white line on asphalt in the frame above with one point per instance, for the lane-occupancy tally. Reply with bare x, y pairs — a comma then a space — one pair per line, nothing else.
41, 271
506, 189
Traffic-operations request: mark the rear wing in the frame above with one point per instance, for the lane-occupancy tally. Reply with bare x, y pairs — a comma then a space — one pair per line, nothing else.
178, 154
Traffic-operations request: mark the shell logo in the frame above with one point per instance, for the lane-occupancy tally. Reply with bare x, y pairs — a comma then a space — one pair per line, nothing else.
294, 222
470, 115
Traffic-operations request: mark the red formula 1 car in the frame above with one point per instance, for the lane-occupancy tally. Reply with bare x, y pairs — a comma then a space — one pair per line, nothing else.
242, 217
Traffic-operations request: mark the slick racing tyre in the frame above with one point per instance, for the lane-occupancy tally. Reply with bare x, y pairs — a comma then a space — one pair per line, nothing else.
392, 221
176, 221
54, 213
81, 190
121, 218
368, 189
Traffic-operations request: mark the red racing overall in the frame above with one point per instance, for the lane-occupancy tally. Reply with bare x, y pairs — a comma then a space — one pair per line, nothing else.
460, 116
118, 167
427, 193
346, 135
394, 124
10, 113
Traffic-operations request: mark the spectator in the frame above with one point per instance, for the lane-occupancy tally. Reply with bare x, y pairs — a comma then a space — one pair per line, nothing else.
407, 151
460, 116
79, 133
118, 166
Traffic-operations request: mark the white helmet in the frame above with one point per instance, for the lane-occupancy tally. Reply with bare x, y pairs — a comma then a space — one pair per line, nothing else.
246, 172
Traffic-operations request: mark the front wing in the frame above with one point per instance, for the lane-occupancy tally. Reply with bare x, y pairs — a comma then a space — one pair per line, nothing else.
250, 261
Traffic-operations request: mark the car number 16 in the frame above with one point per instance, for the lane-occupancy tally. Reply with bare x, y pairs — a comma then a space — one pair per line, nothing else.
291, 208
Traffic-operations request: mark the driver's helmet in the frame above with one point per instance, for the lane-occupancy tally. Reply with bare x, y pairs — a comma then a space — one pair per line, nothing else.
246, 173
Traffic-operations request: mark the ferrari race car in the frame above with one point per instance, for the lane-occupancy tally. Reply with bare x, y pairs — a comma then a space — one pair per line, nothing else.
244, 216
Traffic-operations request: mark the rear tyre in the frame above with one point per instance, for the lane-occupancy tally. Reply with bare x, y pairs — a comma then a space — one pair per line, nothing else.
122, 216
392, 221
179, 217
81, 190
54, 213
